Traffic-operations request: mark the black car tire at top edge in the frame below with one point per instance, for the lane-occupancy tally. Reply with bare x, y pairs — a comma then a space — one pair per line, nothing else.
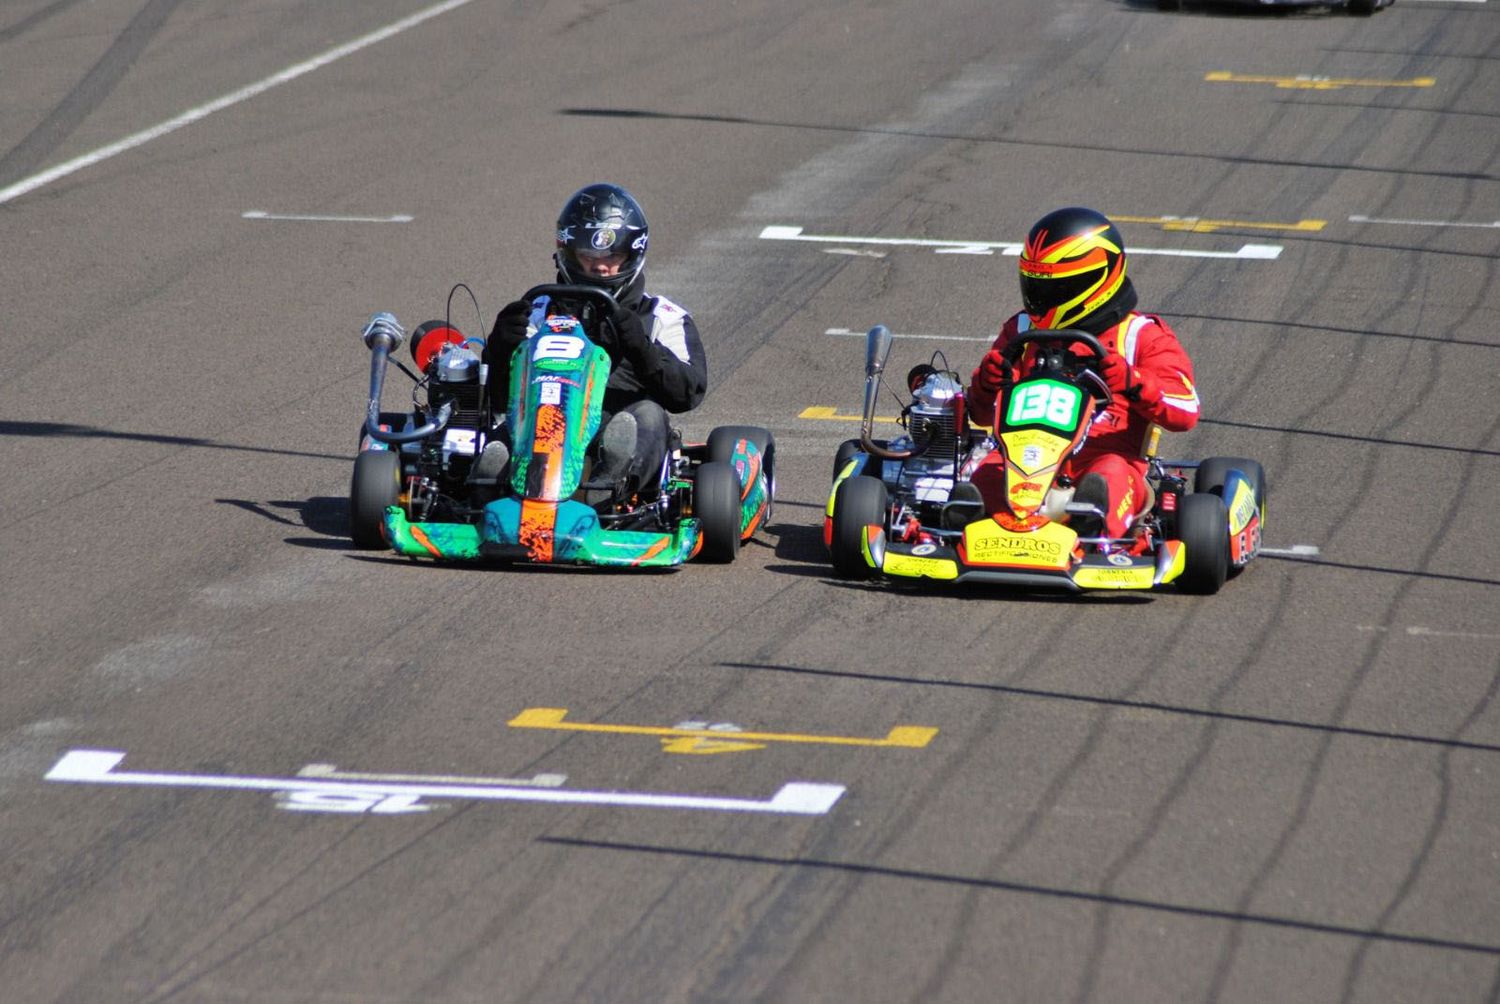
1203, 528
858, 502
716, 503
376, 486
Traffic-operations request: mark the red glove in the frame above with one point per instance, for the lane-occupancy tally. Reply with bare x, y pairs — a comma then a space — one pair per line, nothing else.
1123, 379
992, 373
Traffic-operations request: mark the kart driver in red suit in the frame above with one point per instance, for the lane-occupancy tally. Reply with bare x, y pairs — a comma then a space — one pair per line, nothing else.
1073, 276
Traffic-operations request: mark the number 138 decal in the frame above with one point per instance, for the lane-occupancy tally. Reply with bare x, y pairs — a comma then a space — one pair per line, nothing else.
1046, 402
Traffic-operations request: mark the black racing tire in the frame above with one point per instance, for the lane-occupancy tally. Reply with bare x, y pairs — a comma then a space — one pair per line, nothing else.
1203, 528
858, 502
376, 486
1169, 4
716, 503
1214, 471
721, 443
848, 449
1361, 8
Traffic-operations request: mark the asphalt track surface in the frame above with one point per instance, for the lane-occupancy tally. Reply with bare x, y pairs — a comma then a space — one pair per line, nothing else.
1287, 791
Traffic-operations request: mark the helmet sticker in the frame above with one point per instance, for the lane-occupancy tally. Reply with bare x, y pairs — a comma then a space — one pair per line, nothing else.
603, 240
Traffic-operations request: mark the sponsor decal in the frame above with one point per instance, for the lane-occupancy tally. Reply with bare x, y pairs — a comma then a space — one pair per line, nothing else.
922, 550
1049, 546
560, 324
1117, 558
1026, 486
910, 565
639, 244
1115, 578
603, 240
1031, 457
1242, 511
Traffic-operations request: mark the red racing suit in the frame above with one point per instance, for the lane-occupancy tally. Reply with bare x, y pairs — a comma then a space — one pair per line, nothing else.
1159, 377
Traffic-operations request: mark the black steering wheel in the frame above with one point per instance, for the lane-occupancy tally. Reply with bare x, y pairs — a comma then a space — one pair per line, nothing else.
1055, 356
593, 306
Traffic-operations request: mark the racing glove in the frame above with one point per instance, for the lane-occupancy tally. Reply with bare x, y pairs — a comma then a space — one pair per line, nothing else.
510, 329
992, 373
630, 334
1124, 380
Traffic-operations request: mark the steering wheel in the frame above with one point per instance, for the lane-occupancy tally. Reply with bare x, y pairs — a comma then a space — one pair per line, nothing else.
596, 307
1054, 356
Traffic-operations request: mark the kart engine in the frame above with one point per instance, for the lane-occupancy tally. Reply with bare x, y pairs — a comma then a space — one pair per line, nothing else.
936, 416
453, 375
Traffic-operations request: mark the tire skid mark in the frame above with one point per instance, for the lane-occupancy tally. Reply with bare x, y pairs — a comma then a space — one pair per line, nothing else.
92, 90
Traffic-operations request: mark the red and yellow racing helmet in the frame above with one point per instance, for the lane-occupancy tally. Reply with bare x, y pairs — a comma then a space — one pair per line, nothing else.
1073, 264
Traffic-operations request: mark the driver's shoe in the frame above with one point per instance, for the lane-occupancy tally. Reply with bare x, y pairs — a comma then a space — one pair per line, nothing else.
965, 504
1092, 490
616, 448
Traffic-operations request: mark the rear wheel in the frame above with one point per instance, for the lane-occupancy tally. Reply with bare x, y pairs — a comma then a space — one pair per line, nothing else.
1213, 472
1361, 8
859, 501
1203, 528
375, 488
716, 503
722, 441
1169, 4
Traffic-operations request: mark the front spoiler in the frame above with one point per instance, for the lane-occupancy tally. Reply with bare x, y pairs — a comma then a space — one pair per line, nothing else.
1067, 571
566, 532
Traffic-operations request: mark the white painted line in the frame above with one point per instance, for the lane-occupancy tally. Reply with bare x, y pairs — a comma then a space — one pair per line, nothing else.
1425, 223
98, 767
1296, 550
1418, 631
219, 104
846, 333
1260, 252
1431, 633
855, 252
331, 772
258, 214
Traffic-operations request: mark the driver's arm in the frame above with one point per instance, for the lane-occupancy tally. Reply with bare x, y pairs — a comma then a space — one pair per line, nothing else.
984, 384
667, 361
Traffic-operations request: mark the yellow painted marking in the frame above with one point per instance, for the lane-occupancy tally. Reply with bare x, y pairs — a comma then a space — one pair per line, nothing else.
1198, 225
694, 744
823, 414
1307, 82
906, 736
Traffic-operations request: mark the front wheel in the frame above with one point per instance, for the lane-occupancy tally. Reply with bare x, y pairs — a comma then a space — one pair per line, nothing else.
858, 502
375, 488
716, 503
1203, 528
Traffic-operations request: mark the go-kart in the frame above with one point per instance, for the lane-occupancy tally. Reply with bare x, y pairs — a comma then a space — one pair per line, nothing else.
908, 508
462, 478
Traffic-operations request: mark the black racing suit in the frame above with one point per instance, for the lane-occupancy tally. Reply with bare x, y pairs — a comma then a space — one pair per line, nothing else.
658, 367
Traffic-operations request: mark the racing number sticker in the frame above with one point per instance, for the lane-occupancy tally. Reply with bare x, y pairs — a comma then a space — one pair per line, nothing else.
558, 347
1046, 402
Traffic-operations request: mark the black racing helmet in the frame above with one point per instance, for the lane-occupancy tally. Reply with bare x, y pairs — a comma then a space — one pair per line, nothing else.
601, 223
1072, 267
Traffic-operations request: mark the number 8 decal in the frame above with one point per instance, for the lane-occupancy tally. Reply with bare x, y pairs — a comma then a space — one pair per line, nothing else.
558, 347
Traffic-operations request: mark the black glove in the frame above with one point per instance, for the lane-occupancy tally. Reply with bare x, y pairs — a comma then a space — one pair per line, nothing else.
630, 336
510, 330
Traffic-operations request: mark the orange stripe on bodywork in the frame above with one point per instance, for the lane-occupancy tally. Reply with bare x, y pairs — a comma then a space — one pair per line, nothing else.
653, 550
551, 428
538, 520
425, 541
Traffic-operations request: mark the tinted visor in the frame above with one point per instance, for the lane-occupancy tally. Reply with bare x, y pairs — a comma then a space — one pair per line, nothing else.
1042, 294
